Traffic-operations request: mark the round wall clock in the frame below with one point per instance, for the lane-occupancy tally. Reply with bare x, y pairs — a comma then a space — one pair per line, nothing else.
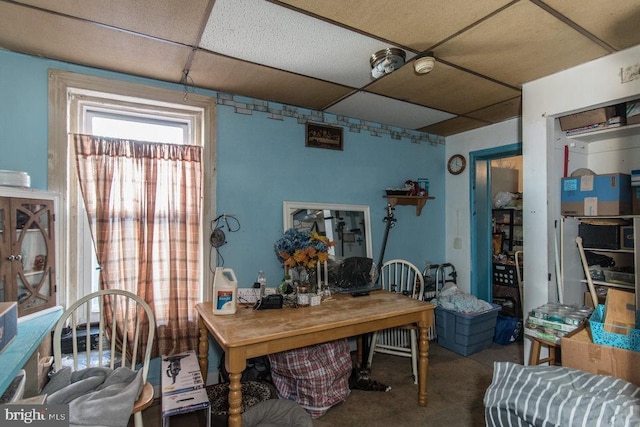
456, 164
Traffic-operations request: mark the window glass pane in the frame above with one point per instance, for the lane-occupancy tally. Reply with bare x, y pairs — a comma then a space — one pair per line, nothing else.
141, 130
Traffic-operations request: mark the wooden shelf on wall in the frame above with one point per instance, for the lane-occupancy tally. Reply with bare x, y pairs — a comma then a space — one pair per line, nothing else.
417, 201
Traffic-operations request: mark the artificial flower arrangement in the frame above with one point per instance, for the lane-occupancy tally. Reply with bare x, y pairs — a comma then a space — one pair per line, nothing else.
302, 248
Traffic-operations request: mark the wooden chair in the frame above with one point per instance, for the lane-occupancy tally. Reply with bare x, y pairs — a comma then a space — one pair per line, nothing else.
402, 277
75, 322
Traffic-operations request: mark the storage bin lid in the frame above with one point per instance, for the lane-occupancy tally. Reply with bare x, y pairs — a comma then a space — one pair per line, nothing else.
15, 178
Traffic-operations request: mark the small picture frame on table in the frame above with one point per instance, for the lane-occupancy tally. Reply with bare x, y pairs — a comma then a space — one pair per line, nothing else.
323, 136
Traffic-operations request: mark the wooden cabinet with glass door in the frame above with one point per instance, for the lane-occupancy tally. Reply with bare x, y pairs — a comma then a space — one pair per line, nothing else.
27, 251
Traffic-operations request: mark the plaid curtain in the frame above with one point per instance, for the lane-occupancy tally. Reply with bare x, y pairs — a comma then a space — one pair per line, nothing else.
143, 201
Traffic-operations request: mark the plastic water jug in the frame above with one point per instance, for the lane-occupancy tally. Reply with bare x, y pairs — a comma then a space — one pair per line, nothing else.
225, 288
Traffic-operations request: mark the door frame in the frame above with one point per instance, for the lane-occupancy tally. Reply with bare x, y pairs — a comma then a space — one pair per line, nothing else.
480, 204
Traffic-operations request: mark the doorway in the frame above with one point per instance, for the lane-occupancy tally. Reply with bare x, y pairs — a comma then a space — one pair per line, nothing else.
482, 204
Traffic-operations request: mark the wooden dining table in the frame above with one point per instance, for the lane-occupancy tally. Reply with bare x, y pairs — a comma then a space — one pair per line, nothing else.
249, 333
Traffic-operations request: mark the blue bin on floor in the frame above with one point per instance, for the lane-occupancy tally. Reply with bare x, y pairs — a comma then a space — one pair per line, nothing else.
466, 333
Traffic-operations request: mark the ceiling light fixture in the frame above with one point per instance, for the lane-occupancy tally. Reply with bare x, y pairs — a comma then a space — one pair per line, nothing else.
385, 61
424, 63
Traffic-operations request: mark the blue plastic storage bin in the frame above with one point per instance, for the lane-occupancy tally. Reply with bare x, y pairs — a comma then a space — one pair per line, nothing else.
466, 333
628, 341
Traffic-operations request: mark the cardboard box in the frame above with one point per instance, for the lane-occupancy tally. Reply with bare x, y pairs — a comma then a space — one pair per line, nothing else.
626, 237
588, 301
587, 118
633, 112
181, 372
184, 402
579, 352
619, 311
635, 200
8, 323
593, 195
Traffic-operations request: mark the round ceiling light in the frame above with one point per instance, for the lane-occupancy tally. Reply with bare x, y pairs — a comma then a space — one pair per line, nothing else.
385, 61
423, 64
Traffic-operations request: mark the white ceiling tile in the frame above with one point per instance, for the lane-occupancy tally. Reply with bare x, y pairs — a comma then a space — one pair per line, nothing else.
303, 53
380, 109
265, 33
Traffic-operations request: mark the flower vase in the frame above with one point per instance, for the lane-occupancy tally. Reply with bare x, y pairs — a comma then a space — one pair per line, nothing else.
299, 275
304, 279
313, 281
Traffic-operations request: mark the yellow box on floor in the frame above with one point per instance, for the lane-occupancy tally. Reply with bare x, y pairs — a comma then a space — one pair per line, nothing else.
579, 351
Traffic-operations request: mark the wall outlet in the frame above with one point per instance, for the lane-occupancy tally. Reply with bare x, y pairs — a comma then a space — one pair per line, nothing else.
252, 295
248, 295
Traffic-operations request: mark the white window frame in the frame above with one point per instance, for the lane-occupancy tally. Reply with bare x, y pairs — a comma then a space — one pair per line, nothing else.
63, 88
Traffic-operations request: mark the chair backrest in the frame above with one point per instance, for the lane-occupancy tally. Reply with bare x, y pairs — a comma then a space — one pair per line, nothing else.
402, 277
117, 310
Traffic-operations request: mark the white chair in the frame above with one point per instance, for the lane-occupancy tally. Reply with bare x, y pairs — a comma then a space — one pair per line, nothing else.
137, 353
401, 277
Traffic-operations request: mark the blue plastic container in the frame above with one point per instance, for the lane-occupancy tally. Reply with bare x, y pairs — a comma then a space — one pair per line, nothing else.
466, 333
628, 341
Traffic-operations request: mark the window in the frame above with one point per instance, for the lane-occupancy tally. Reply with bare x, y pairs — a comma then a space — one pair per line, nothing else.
91, 105
119, 125
103, 116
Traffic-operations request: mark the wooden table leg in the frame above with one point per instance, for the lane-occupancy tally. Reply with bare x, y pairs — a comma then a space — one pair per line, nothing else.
203, 349
235, 400
235, 362
423, 362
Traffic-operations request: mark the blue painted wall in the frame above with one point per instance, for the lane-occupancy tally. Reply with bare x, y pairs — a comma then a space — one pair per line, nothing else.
260, 163
23, 116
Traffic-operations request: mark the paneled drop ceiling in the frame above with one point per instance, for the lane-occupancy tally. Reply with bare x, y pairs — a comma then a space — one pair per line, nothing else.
315, 54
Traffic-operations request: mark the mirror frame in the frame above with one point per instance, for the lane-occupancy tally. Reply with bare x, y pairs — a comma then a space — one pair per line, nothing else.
289, 207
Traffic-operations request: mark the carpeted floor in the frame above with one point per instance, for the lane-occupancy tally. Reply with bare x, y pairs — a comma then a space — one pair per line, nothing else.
455, 389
